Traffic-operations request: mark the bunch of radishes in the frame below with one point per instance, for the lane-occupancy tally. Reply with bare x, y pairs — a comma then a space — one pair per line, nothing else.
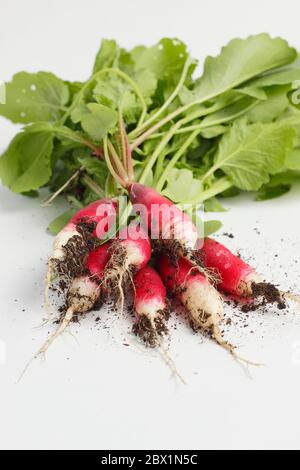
92, 267
154, 256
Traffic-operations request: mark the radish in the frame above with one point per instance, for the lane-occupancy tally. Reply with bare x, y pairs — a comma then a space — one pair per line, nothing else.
85, 290
77, 238
130, 252
150, 305
172, 227
83, 294
237, 277
92, 215
200, 298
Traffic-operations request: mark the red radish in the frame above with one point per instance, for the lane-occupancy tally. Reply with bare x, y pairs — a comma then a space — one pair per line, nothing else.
200, 298
94, 213
75, 240
150, 305
83, 294
237, 277
85, 290
165, 221
151, 311
130, 252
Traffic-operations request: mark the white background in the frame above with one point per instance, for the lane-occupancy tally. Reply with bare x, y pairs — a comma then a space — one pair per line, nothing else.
93, 392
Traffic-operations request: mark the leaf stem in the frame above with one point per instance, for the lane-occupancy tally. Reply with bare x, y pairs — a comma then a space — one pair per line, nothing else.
110, 167
183, 130
175, 159
116, 162
122, 139
49, 201
93, 186
217, 187
76, 136
200, 112
126, 152
158, 150
141, 128
136, 143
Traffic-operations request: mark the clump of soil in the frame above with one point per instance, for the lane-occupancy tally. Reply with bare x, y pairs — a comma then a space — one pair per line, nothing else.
173, 250
148, 332
76, 251
268, 293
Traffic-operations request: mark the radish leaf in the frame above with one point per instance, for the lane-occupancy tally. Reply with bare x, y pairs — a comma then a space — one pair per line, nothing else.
238, 62
26, 164
249, 154
96, 119
32, 97
107, 55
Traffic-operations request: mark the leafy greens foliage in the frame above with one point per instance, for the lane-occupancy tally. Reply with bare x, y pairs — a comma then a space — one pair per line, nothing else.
235, 128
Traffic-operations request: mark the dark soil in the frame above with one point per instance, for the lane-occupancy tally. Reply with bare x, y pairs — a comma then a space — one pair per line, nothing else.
268, 294
149, 335
76, 251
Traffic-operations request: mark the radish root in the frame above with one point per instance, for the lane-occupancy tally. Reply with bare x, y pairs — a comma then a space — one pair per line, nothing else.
291, 296
166, 356
231, 349
59, 331
116, 275
169, 361
48, 281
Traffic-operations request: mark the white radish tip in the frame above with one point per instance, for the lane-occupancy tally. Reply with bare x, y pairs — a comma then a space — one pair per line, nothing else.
83, 294
203, 302
61, 241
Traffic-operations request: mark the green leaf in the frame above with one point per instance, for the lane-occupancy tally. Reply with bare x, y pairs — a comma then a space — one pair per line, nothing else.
32, 97
287, 178
267, 192
249, 154
147, 83
291, 117
31, 194
107, 55
182, 186
213, 131
253, 91
211, 226
95, 168
113, 92
292, 161
165, 60
280, 77
238, 62
270, 109
26, 164
61, 221
96, 119
231, 192
79, 112
214, 205
229, 113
